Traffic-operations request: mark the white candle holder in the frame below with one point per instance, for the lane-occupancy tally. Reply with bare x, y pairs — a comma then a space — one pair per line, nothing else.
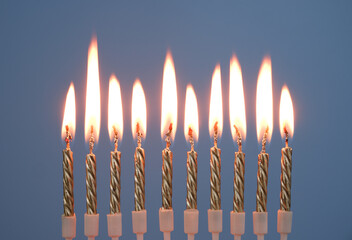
191, 217
215, 223
91, 225
166, 222
260, 224
284, 223
68, 227
114, 225
139, 223
237, 222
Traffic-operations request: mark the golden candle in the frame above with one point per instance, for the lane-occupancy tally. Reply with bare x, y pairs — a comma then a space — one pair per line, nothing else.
115, 128
215, 130
91, 182
215, 177
286, 169
286, 129
68, 176
262, 177
67, 132
264, 119
166, 187
92, 124
191, 134
139, 175
238, 182
115, 183
168, 128
139, 129
192, 169
238, 121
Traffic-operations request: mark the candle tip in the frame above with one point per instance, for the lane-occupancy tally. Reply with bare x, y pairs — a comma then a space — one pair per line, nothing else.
68, 138
239, 138
216, 128
139, 135
168, 136
91, 140
116, 138
265, 136
191, 141
286, 136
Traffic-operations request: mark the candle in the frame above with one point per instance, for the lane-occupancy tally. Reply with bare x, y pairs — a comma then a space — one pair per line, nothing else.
115, 126
166, 187
238, 182
191, 133
264, 117
238, 131
286, 128
168, 127
91, 183
68, 176
138, 131
238, 121
262, 176
92, 125
215, 129
68, 129
192, 169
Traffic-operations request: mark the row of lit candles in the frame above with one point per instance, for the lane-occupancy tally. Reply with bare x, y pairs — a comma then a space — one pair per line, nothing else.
264, 115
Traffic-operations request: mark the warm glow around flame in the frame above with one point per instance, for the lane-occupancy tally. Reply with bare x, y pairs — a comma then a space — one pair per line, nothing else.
92, 117
237, 106
139, 110
169, 98
264, 102
115, 118
215, 111
70, 113
286, 113
191, 114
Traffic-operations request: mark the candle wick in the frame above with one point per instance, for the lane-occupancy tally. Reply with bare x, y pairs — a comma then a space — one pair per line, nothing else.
168, 136
116, 138
139, 135
91, 140
265, 136
216, 134
286, 136
239, 139
191, 140
68, 138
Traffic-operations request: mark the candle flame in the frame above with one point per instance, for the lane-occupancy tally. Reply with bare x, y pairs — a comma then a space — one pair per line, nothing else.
169, 99
286, 113
69, 114
237, 106
115, 118
191, 114
139, 110
92, 117
264, 102
215, 111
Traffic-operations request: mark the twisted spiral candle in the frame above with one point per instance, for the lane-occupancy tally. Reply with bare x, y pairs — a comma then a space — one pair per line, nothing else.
67, 165
215, 177
286, 168
262, 177
191, 200
139, 177
238, 182
115, 185
91, 184
166, 188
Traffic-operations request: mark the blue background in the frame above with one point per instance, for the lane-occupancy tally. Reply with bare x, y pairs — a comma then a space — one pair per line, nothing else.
43, 47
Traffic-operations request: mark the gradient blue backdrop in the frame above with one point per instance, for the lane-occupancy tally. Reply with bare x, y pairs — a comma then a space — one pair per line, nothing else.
43, 47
